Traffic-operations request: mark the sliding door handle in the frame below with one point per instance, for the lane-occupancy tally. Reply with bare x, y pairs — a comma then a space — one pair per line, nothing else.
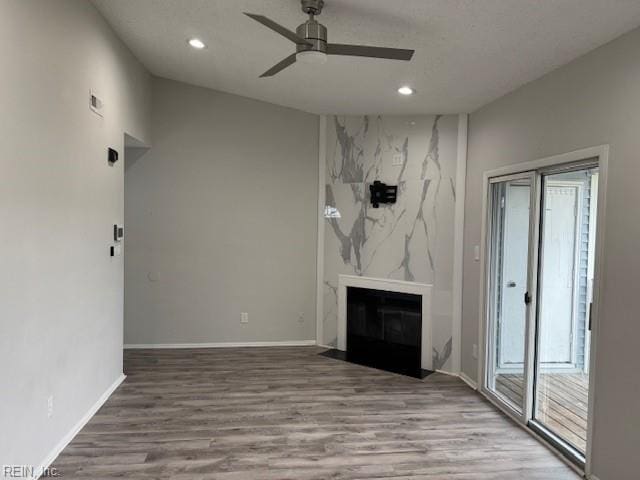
527, 298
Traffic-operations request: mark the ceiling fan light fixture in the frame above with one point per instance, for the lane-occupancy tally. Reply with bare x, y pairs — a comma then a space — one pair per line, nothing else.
405, 90
311, 56
196, 43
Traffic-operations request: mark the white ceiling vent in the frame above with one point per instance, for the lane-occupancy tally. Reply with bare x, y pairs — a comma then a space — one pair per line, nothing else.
95, 103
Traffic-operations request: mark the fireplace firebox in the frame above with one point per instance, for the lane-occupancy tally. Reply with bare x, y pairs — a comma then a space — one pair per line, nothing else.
384, 330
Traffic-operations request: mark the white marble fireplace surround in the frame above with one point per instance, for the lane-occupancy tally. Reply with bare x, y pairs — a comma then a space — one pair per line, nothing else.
387, 285
413, 240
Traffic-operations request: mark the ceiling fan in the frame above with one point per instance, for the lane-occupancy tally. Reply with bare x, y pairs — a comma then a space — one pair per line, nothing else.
311, 41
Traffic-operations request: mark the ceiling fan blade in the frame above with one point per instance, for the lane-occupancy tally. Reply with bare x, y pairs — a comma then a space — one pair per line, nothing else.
290, 60
276, 27
366, 51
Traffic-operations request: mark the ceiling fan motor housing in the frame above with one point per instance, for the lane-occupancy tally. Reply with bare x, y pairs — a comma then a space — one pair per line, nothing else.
315, 33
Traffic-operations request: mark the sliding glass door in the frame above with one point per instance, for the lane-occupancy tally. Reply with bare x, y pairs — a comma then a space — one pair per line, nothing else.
539, 281
565, 291
510, 200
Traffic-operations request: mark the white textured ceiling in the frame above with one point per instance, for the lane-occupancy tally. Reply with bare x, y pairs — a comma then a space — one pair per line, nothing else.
468, 52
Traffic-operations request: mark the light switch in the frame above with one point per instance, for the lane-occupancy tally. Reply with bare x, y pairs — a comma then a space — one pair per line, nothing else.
118, 232
476, 253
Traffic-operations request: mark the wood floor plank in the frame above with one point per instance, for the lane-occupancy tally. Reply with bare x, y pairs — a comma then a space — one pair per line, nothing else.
289, 413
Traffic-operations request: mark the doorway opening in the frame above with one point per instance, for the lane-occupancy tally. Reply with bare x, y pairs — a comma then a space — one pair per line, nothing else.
134, 150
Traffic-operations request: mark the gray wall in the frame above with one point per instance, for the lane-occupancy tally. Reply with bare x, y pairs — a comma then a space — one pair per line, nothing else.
410, 240
593, 100
221, 219
61, 294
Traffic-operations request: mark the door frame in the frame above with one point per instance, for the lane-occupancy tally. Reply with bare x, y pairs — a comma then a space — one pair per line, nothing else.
556, 163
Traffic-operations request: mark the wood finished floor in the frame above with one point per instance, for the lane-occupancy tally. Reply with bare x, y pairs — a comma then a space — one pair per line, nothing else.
288, 413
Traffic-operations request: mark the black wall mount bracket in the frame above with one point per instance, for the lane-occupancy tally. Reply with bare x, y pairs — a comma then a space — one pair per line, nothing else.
382, 193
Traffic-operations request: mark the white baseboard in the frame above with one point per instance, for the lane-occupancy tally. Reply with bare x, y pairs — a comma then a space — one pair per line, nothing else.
291, 343
462, 376
325, 346
78, 426
592, 477
466, 379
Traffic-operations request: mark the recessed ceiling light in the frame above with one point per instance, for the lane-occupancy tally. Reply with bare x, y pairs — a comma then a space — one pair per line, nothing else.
405, 90
197, 43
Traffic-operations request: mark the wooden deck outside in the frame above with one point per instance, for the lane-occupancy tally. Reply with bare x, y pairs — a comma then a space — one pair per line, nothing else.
562, 402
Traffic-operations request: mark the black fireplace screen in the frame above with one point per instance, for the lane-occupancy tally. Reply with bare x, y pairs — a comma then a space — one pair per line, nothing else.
384, 329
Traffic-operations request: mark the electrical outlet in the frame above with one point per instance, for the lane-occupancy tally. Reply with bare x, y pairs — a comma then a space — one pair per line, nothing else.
244, 317
301, 317
475, 351
50, 406
397, 160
